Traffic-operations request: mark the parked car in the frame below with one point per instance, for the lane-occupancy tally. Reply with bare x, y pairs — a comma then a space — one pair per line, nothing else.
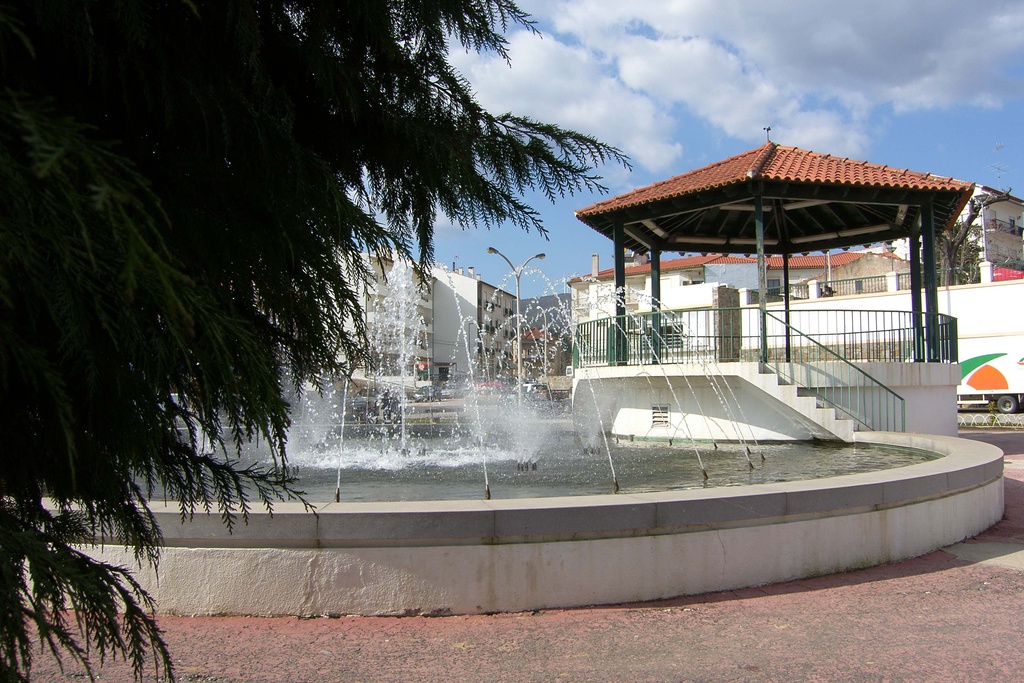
427, 394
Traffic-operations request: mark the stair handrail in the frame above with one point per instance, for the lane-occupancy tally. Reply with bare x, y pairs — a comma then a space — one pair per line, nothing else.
845, 399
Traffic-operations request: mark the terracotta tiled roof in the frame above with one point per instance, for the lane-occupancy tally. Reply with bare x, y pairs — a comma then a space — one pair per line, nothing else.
778, 163
819, 260
536, 334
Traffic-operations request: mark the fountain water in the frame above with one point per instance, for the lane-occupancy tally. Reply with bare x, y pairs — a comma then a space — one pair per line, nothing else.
422, 451
552, 537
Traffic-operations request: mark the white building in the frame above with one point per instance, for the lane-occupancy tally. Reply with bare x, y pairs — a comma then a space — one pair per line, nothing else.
593, 295
398, 310
1001, 219
474, 327
863, 271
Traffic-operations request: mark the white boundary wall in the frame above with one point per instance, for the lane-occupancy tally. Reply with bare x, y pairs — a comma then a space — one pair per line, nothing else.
981, 310
512, 555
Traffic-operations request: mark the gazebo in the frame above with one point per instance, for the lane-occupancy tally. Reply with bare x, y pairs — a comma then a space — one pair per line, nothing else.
828, 372
782, 200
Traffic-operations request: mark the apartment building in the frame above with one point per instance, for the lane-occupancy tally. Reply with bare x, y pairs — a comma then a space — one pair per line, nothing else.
474, 327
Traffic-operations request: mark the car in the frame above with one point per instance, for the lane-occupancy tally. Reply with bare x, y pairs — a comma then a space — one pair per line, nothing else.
427, 394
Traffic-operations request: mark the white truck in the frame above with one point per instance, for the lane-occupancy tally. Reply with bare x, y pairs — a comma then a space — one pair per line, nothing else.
992, 372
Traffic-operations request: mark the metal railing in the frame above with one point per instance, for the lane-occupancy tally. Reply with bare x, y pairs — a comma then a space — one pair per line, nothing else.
873, 284
1000, 225
835, 381
735, 334
947, 277
871, 336
690, 336
797, 290
964, 275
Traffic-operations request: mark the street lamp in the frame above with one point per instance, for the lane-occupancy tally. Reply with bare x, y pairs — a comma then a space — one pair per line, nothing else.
517, 272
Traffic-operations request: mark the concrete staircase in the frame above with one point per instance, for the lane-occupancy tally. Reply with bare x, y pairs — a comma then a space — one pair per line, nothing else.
807, 409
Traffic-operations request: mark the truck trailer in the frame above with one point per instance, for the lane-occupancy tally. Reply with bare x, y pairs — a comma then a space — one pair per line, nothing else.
991, 373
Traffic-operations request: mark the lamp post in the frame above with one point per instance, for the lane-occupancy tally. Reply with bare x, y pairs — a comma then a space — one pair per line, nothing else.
517, 272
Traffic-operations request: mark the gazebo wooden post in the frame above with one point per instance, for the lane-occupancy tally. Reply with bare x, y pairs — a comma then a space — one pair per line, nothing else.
785, 298
931, 290
915, 292
762, 272
619, 328
656, 305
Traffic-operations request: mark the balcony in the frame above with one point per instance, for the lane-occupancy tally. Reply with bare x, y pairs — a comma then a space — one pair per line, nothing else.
1009, 227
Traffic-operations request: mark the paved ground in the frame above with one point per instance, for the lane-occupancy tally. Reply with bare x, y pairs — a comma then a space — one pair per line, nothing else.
952, 615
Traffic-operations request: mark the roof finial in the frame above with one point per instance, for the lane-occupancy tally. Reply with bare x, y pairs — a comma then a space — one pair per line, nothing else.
768, 132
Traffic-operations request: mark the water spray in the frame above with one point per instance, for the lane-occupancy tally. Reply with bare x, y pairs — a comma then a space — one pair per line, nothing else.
341, 443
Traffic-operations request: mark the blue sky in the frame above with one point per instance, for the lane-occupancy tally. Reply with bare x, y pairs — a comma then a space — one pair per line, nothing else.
931, 85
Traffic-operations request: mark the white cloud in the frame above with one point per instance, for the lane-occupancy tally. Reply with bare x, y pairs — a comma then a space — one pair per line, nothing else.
819, 72
572, 87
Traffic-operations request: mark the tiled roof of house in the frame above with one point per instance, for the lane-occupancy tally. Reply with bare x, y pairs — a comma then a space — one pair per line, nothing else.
536, 334
778, 163
819, 261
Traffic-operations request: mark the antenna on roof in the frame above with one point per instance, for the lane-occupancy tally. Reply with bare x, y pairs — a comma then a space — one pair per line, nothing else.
998, 167
768, 133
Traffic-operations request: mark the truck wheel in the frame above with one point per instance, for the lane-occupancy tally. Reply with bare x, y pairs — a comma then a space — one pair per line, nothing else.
1007, 404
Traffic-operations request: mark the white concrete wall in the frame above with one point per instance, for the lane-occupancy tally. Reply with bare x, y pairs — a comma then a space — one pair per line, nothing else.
704, 408
723, 402
979, 309
512, 555
690, 296
929, 390
736, 275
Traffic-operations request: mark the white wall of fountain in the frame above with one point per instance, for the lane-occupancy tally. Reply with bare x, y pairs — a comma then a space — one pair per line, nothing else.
725, 403
695, 406
510, 555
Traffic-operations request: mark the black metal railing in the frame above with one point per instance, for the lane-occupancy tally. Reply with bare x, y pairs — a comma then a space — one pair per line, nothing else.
723, 335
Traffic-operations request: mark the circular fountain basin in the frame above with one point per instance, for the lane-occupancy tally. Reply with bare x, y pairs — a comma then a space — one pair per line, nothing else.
477, 556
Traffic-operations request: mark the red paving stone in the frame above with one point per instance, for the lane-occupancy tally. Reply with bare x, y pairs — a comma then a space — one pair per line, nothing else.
932, 618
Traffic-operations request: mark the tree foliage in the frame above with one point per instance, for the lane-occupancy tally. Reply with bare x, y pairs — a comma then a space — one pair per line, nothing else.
959, 249
185, 189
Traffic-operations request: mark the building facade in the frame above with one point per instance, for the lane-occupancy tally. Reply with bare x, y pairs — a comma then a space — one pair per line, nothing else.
474, 328
1001, 222
593, 295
